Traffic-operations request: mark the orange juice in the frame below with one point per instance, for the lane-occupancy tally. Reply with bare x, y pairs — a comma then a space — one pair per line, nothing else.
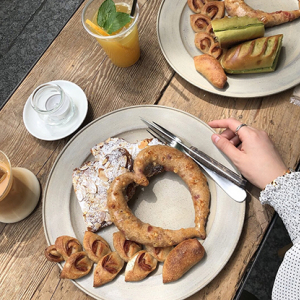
122, 46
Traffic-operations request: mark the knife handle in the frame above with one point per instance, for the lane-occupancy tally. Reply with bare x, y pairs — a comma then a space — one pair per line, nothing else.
217, 167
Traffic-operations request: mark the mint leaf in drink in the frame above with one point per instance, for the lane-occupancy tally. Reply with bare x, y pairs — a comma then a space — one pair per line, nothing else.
109, 19
120, 20
106, 11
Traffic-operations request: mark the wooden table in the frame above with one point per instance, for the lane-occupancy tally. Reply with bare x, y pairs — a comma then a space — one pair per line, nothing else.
75, 56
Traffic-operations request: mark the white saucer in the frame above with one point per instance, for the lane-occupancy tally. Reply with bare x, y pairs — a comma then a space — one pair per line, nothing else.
42, 131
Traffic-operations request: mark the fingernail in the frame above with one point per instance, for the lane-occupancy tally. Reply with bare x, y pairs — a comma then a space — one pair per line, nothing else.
215, 138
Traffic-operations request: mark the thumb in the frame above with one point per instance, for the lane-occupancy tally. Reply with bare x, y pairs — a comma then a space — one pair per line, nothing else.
225, 146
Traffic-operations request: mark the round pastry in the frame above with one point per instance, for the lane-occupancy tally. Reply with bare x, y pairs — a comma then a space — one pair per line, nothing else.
172, 160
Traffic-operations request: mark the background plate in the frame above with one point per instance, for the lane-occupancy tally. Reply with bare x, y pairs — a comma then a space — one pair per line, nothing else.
166, 202
176, 39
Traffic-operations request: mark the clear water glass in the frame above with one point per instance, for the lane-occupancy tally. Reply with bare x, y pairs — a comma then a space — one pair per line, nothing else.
52, 104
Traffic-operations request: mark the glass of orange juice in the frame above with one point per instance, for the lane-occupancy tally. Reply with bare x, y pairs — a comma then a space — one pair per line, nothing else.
19, 191
121, 46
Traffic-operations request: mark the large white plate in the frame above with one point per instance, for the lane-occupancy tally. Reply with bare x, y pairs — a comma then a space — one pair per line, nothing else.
176, 39
166, 202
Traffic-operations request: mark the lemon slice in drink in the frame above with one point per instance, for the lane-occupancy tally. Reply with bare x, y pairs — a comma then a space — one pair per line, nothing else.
96, 27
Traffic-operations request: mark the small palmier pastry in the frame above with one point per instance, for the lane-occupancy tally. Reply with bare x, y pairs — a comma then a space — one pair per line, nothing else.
139, 266
182, 258
67, 245
215, 50
76, 266
199, 22
159, 253
52, 254
214, 9
204, 41
95, 246
196, 5
124, 247
211, 69
210, 30
107, 268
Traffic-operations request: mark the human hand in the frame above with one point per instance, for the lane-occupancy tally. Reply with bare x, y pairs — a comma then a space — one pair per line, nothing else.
251, 151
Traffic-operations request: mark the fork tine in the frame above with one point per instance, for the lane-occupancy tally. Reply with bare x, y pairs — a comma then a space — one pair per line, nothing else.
159, 136
159, 129
167, 132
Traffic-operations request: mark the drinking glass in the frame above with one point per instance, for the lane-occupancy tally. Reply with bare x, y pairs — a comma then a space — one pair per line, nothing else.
19, 191
52, 104
123, 47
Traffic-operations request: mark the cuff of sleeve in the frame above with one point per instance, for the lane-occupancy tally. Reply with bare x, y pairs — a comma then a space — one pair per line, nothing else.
284, 194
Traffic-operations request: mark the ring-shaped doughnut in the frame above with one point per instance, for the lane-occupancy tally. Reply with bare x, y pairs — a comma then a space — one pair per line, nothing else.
172, 160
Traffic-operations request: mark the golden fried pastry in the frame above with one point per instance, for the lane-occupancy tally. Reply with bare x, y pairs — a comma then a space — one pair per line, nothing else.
240, 8
67, 245
214, 9
182, 258
125, 248
76, 266
172, 160
139, 266
211, 69
52, 254
159, 253
95, 246
199, 22
107, 268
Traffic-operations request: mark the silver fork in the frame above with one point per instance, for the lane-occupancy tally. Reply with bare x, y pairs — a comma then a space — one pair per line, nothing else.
235, 192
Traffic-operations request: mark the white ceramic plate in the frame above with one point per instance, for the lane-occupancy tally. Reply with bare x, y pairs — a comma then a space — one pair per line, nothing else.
166, 202
42, 131
176, 39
